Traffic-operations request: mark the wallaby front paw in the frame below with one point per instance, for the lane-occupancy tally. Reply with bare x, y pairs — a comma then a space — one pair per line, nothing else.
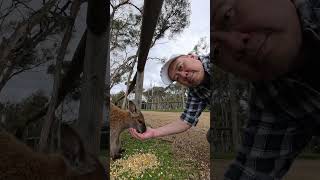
115, 157
122, 150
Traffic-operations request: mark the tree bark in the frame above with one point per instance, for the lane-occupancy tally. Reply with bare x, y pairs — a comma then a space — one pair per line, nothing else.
94, 72
139, 89
151, 12
128, 84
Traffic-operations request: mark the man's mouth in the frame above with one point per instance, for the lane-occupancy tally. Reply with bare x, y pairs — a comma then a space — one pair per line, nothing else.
190, 78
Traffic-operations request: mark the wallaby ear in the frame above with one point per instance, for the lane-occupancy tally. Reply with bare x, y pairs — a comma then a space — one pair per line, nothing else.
132, 107
74, 152
71, 144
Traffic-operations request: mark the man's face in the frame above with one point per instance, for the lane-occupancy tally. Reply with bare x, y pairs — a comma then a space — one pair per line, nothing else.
187, 70
256, 39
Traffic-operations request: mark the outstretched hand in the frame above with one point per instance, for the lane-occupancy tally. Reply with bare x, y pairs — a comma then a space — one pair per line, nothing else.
149, 133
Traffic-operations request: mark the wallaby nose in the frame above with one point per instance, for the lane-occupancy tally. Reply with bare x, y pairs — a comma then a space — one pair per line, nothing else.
142, 128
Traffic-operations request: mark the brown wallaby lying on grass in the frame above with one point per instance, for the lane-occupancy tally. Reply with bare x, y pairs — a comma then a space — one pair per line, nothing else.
121, 120
19, 162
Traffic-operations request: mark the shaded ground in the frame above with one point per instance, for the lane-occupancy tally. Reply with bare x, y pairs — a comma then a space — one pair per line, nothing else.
191, 145
301, 169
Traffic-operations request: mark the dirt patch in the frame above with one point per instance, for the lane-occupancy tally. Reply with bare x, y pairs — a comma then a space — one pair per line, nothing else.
191, 145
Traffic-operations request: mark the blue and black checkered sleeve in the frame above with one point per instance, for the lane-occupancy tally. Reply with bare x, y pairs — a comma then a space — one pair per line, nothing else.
193, 109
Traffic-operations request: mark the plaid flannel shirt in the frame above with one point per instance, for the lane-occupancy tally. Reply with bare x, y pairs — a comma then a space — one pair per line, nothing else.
198, 97
284, 113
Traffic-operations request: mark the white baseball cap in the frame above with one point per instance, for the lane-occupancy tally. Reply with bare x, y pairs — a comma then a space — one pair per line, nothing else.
164, 70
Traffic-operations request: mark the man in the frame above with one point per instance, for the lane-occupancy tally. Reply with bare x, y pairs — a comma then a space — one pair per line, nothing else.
190, 71
275, 45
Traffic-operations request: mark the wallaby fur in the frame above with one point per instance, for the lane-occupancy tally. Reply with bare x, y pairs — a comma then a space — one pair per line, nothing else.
121, 120
19, 162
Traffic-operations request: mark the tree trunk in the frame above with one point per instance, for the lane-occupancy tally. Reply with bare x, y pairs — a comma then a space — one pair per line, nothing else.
139, 89
183, 98
68, 83
151, 12
43, 143
94, 72
128, 84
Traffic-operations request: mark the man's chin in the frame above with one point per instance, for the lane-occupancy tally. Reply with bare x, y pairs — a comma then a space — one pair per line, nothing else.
192, 85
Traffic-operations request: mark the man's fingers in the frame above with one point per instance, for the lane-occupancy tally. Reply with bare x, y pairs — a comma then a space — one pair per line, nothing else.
135, 134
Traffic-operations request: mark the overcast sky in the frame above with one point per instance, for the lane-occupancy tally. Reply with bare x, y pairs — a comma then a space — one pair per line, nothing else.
26, 83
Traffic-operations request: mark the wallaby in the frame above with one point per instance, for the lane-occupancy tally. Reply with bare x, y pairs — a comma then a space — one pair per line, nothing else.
121, 120
19, 162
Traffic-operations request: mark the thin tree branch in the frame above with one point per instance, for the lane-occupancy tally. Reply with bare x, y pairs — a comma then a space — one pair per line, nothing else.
26, 6
136, 7
25, 69
121, 4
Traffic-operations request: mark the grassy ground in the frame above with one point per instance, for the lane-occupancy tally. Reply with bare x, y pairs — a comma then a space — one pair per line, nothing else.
168, 166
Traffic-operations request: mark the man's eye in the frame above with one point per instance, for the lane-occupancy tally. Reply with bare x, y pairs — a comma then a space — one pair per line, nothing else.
228, 14
227, 17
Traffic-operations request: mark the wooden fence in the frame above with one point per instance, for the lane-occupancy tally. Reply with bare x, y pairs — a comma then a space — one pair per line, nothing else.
162, 106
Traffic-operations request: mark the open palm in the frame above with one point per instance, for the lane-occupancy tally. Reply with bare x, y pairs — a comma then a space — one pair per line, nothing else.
149, 133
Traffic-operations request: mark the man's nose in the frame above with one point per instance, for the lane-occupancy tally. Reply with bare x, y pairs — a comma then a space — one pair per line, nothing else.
234, 40
182, 74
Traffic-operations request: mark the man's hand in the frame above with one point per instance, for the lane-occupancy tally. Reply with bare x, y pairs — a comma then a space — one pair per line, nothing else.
149, 133
174, 127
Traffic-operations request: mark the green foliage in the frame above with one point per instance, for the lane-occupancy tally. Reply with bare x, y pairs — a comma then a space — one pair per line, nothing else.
202, 47
115, 97
172, 93
174, 18
17, 114
29, 52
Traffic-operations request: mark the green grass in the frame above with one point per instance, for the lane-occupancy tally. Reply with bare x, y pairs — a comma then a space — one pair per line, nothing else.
169, 167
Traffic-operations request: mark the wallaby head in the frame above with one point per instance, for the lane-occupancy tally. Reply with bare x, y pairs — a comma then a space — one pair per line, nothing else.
80, 162
137, 119
119, 121
73, 163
